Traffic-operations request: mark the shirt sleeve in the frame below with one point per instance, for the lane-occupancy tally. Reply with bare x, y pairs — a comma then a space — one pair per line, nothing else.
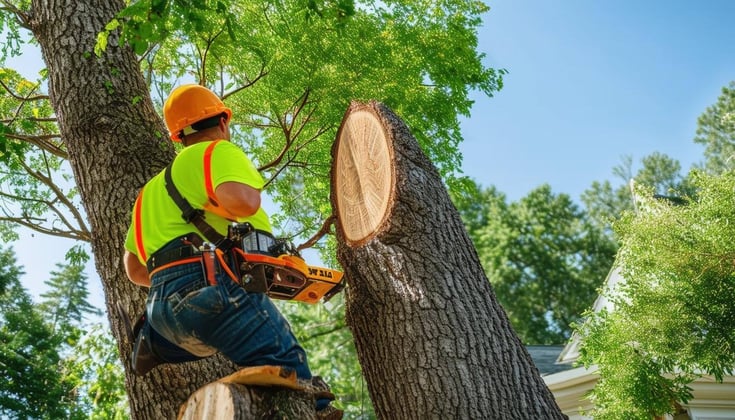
230, 164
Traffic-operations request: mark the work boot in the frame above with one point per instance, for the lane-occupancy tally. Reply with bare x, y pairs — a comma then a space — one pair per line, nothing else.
329, 413
323, 396
141, 357
321, 389
126, 322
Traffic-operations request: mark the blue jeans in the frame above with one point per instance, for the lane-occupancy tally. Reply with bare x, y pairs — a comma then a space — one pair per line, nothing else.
203, 319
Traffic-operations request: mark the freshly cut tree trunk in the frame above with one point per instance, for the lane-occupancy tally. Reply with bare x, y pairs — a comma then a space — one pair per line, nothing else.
432, 340
228, 401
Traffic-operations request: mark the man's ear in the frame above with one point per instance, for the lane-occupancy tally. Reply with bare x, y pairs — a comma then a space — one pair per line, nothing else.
224, 126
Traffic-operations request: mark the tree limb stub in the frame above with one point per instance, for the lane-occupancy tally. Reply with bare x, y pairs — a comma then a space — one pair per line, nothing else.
230, 401
432, 340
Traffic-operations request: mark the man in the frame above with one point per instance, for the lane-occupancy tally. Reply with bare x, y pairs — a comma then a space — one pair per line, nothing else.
199, 313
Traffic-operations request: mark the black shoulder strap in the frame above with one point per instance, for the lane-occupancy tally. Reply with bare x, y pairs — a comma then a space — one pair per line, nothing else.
189, 213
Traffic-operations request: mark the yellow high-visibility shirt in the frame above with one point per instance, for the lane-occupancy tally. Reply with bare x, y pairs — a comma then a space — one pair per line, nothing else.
197, 171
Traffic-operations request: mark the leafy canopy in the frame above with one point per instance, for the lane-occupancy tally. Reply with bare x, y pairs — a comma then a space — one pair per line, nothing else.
605, 203
289, 69
716, 131
674, 316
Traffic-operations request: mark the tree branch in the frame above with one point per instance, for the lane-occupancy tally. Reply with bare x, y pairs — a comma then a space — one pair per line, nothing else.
42, 143
204, 54
291, 160
336, 327
23, 17
35, 223
60, 197
325, 229
248, 82
73, 234
33, 119
23, 98
287, 128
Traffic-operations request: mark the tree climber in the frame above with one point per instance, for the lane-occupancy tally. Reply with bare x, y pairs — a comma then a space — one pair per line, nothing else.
193, 304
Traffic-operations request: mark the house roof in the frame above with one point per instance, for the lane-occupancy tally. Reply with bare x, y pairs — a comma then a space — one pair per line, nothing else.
570, 354
544, 357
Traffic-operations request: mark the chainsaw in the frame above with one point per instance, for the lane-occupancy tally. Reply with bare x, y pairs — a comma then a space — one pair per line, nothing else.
272, 266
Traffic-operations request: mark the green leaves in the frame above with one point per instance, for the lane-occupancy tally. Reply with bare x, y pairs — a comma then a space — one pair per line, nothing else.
289, 69
716, 131
49, 366
13, 39
95, 363
31, 383
33, 176
606, 203
674, 316
321, 330
633, 385
675, 313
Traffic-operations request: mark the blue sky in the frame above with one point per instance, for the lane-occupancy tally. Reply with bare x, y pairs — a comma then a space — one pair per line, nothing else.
588, 82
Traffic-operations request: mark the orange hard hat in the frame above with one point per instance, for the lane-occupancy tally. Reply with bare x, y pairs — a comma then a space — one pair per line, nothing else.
188, 104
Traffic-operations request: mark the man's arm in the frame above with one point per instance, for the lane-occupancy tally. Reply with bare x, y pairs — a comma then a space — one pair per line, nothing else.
239, 199
137, 272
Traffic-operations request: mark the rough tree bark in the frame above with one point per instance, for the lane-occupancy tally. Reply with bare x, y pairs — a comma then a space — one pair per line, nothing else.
116, 142
432, 339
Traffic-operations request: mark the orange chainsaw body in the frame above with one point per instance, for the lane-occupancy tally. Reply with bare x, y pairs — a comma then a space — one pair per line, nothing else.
287, 277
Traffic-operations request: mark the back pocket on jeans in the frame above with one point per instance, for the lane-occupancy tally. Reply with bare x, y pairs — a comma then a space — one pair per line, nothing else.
206, 300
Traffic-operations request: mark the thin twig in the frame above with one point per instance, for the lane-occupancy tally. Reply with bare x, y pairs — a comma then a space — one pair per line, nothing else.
23, 98
249, 82
337, 327
71, 234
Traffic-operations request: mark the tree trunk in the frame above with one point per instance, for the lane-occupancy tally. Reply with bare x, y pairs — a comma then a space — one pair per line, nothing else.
116, 142
432, 340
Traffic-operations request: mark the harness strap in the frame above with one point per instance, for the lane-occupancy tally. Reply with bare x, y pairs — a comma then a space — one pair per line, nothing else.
174, 264
189, 213
208, 172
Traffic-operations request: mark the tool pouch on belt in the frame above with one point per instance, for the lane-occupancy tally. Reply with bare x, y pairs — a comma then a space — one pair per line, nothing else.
151, 349
210, 265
